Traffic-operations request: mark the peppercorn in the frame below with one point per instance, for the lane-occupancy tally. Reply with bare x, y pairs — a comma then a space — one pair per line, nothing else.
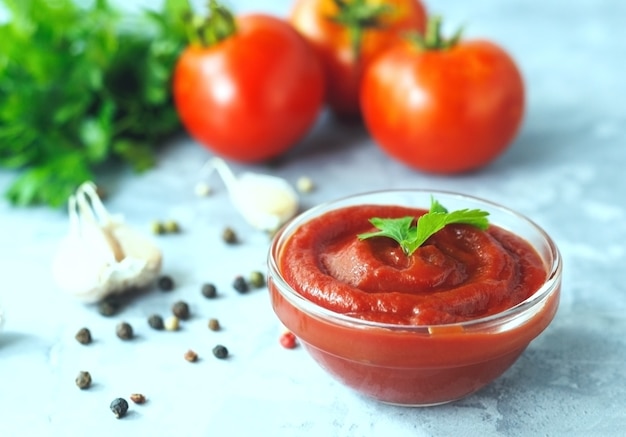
214, 325
288, 340
157, 228
257, 279
119, 407
83, 380
124, 331
83, 336
229, 236
172, 323
191, 356
240, 284
165, 283
138, 398
108, 307
305, 184
209, 291
156, 322
181, 310
220, 352
171, 227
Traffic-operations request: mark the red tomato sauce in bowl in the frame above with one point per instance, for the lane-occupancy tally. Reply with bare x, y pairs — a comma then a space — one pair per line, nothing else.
422, 329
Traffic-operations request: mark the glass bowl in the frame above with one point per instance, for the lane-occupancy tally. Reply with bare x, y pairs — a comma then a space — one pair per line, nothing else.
408, 364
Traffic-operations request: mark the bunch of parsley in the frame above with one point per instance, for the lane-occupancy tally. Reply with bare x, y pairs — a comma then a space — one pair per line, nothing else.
81, 86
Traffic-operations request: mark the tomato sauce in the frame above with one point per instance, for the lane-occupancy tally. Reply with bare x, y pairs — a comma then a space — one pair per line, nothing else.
461, 273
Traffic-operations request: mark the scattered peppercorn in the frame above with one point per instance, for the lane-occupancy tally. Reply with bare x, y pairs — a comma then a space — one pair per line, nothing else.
172, 323
305, 185
191, 356
83, 336
119, 407
181, 310
157, 228
257, 279
209, 291
156, 322
83, 380
240, 284
165, 283
124, 331
108, 307
171, 227
288, 340
220, 352
214, 325
202, 189
138, 398
229, 236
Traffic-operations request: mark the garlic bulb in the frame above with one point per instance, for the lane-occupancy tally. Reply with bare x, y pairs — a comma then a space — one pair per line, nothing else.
264, 201
101, 255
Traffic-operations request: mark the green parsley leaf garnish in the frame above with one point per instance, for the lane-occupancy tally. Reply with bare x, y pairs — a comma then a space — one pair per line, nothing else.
412, 237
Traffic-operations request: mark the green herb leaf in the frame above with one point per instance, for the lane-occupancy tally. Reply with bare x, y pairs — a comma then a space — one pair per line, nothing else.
82, 84
412, 237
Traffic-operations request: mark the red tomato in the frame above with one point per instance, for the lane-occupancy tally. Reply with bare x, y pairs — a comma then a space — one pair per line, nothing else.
343, 64
253, 95
443, 111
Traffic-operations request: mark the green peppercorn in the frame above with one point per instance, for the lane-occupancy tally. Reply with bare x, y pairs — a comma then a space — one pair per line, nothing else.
220, 352
240, 284
108, 307
171, 227
209, 291
214, 325
257, 279
124, 331
157, 228
181, 310
83, 380
156, 322
229, 236
119, 407
83, 336
165, 283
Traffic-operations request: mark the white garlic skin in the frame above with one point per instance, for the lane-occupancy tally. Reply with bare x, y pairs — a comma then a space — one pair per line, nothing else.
99, 258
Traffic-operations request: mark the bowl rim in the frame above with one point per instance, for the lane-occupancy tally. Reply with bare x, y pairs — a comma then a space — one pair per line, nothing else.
550, 285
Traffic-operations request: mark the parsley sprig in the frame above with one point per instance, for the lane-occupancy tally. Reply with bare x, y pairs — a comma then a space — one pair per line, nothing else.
411, 237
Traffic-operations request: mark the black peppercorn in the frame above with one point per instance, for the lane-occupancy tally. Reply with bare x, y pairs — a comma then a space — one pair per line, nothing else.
119, 407
181, 310
229, 236
83, 380
257, 279
124, 331
165, 283
108, 307
240, 284
83, 336
220, 352
209, 291
156, 322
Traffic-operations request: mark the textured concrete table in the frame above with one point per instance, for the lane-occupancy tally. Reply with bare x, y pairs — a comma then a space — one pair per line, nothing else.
565, 171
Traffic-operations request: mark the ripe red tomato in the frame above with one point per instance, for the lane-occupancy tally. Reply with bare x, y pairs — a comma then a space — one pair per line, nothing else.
253, 95
343, 52
443, 111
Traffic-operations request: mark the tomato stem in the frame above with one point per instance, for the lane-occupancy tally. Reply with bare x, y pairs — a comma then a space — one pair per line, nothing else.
357, 16
432, 38
218, 25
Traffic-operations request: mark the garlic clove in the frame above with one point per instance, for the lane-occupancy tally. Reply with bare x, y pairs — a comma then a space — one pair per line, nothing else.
101, 255
266, 202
